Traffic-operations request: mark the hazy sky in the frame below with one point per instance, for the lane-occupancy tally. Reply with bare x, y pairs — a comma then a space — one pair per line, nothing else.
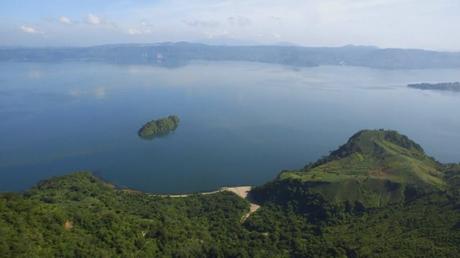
430, 24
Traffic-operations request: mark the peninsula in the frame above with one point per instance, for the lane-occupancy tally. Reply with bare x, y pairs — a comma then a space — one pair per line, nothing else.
443, 86
159, 127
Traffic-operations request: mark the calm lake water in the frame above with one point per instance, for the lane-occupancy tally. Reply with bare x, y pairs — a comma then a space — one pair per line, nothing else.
241, 123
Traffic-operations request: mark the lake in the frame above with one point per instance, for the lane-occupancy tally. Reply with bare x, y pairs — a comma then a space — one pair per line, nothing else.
241, 123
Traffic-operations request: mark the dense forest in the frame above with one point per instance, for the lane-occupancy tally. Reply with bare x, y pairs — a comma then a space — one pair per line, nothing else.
159, 127
300, 216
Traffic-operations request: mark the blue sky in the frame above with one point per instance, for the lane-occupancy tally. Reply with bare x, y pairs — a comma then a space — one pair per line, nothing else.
429, 24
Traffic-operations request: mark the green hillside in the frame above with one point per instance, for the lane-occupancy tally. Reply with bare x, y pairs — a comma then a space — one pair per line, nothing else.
336, 207
81, 216
374, 168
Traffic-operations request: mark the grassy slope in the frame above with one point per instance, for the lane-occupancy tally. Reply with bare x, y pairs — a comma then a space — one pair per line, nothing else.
373, 167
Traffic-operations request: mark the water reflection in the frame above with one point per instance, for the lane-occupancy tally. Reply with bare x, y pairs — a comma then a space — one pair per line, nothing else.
241, 123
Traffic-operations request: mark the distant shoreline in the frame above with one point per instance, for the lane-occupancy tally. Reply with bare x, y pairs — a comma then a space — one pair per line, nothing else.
442, 86
181, 53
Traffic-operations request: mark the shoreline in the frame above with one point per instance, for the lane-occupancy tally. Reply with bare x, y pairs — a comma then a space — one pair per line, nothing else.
240, 191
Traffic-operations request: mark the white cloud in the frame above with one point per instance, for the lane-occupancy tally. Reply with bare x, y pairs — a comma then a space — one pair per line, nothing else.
276, 35
143, 28
30, 29
98, 21
386, 23
216, 34
93, 19
65, 20
239, 21
133, 31
201, 23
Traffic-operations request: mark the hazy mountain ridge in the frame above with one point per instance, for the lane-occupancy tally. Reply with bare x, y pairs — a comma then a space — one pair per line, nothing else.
180, 53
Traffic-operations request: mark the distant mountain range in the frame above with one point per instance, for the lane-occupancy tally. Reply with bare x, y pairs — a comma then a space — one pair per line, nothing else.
180, 53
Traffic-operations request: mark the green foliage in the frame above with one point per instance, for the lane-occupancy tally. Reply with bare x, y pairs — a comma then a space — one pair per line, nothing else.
348, 213
374, 167
107, 222
426, 227
80, 215
159, 127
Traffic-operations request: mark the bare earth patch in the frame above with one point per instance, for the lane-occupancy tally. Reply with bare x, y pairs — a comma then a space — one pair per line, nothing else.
242, 191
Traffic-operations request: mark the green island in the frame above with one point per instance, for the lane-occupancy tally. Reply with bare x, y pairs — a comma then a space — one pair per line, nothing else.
159, 127
378, 195
444, 86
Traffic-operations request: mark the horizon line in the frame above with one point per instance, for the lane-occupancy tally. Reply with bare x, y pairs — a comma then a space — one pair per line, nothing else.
159, 43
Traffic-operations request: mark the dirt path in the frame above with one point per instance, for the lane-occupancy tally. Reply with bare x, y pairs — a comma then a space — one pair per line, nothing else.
241, 191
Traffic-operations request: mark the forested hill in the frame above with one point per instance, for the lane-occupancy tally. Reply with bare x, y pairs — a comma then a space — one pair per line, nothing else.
389, 200
374, 168
177, 54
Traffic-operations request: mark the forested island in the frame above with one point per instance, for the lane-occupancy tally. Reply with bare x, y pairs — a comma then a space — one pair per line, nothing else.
443, 86
378, 195
159, 127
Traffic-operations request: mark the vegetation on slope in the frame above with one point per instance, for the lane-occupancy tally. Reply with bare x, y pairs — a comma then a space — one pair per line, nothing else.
81, 216
426, 227
374, 168
159, 127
